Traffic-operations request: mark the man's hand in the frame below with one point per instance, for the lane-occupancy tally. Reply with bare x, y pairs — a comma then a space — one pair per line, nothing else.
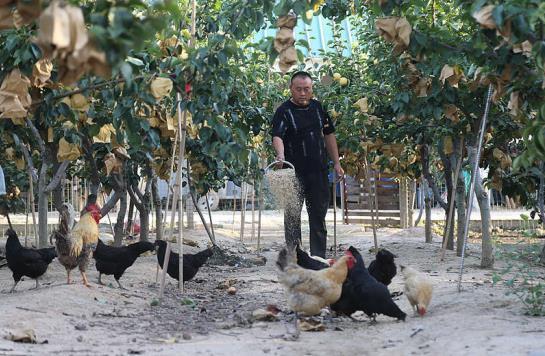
280, 164
339, 172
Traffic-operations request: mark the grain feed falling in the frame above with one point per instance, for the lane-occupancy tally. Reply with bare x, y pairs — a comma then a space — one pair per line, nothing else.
283, 186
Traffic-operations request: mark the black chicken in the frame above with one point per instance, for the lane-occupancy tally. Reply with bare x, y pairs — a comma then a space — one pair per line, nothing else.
383, 268
192, 263
361, 291
115, 260
306, 261
24, 261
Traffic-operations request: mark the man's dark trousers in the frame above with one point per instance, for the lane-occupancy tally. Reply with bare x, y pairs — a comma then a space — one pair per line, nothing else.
314, 187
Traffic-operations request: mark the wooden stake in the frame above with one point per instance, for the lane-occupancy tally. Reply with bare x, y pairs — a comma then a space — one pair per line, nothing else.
210, 217
253, 210
26, 219
370, 201
334, 214
182, 121
375, 177
259, 216
108, 214
242, 210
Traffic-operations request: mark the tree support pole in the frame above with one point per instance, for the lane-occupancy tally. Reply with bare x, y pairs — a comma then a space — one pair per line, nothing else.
472, 185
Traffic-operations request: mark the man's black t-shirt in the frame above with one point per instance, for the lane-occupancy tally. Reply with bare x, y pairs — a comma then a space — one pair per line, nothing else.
302, 129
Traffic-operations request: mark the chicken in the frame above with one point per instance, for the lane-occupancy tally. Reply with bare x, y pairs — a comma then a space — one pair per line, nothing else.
24, 261
383, 268
309, 262
309, 291
362, 292
115, 260
74, 246
192, 263
418, 289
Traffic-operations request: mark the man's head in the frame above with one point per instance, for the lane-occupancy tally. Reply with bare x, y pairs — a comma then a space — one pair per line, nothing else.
301, 88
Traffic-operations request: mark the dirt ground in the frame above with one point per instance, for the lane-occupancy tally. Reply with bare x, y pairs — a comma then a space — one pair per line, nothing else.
206, 320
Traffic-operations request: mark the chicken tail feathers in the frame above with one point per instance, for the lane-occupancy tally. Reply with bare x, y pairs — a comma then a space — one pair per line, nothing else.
76, 247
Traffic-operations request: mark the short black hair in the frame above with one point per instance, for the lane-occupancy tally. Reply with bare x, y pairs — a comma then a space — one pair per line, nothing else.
91, 199
300, 74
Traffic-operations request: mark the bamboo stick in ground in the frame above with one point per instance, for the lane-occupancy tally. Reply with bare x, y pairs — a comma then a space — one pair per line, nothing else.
182, 121
370, 201
211, 222
253, 210
334, 215
259, 216
26, 219
108, 214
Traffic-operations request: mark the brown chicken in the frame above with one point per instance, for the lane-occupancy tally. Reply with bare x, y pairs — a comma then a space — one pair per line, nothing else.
418, 289
75, 245
309, 291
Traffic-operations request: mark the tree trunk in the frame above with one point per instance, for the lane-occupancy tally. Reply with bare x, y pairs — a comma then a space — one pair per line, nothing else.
119, 232
461, 210
427, 203
425, 158
450, 194
58, 192
142, 203
189, 210
487, 258
130, 217
144, 223
158, 210
43, 200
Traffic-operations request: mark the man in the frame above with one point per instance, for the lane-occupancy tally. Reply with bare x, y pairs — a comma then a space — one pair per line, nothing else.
302, 133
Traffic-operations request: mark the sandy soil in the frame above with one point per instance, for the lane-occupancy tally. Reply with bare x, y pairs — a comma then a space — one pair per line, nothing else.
206, 320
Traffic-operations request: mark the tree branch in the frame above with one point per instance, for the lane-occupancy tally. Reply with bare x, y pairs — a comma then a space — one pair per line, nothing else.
134, 198
61, 172
28, 157
37, 136
424, 153
81, 90
110, 203
88, 152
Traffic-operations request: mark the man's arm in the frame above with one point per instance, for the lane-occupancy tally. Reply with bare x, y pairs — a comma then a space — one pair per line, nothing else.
278, 145
333, 151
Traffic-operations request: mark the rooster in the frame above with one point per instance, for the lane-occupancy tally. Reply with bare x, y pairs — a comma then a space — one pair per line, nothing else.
24, 261
418, 289
74, 245
308, 291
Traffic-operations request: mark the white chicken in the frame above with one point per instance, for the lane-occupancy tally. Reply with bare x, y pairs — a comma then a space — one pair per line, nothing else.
418, 289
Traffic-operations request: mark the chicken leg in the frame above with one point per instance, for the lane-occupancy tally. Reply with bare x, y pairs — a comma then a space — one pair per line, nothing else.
37, 284
85, 281
13, 288
119, 284
68, 276
100, 279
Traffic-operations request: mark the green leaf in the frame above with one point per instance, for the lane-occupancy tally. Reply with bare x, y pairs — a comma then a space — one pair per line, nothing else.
137, 62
